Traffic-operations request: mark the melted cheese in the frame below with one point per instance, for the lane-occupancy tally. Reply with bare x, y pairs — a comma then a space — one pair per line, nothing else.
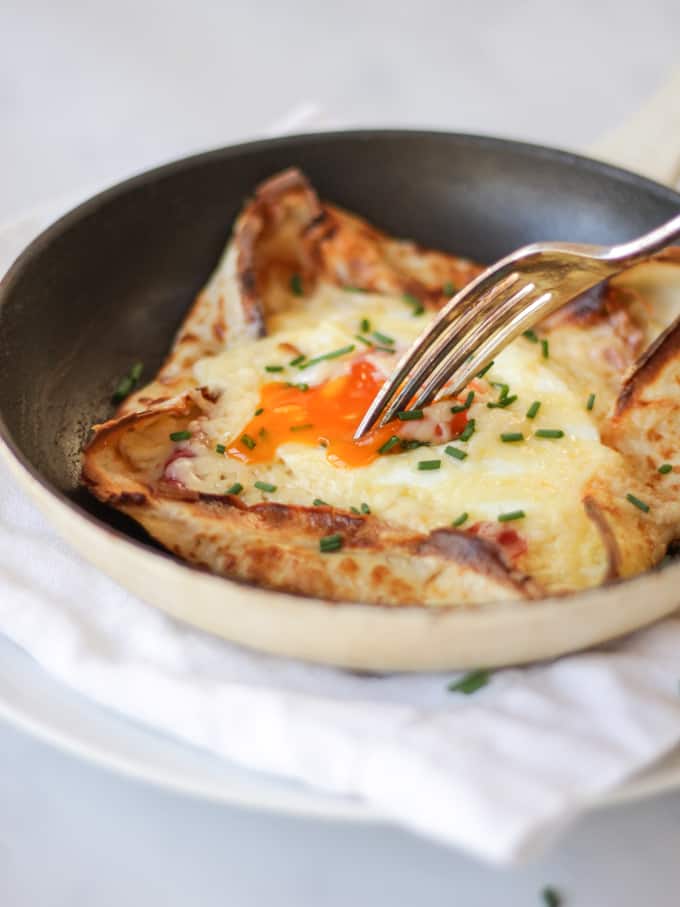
542, 477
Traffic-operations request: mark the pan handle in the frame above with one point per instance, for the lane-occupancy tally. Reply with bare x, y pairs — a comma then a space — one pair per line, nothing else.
648, 142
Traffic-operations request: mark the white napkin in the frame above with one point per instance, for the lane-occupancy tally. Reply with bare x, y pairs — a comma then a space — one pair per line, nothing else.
496, 773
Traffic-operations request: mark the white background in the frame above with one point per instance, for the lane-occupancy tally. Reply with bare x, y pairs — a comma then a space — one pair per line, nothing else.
92, 92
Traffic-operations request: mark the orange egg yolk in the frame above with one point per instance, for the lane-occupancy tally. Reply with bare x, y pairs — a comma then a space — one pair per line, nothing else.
327, 414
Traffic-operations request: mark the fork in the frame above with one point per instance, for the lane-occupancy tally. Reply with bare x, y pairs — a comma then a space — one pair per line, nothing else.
507, 299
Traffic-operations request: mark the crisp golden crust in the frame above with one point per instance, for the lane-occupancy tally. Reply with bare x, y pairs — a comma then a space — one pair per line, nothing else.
286, 238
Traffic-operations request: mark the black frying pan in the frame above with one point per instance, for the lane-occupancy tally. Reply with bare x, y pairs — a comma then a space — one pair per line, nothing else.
108, 283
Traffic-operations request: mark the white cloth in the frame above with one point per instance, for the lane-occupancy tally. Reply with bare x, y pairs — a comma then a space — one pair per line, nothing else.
496, 773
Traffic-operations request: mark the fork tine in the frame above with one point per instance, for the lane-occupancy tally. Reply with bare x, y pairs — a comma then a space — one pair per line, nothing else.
480, 315
508, 325
460, 308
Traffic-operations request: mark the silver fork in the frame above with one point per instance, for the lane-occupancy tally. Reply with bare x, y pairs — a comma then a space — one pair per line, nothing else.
505, 300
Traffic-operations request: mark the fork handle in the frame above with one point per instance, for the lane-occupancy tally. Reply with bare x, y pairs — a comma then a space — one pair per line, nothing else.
630, 253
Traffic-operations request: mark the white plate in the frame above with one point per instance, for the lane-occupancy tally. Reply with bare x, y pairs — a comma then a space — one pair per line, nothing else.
33, 701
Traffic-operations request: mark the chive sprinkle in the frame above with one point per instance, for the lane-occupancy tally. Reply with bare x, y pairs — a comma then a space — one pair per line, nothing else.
533, 409
296, 285
530, 335
365, 508
273, 368
461, 407
355, 510
297, 360
383, 338
363, 339
470, 682
510, 436
448, 289
319, 502
350, 288
504, 389
591, 402
549, 433
636, 502
388, 445
236, 488
512, 515
265, 486
136, 371
220, 448
410, 415
412, 444
502, 403
429, 464
468, 431
551, 897
300, 385
485, 369
180, 435
334, 354
545, 349
127, 384
418, 307
330, 543
259, 411
665, 468
247, 441
460, 519
365, 326
301, 427
455, 452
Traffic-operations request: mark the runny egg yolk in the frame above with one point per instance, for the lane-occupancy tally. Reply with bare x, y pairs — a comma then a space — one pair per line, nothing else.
327, 414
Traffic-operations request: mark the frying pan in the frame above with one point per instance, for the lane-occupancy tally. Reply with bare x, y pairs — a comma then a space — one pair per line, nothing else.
108, 284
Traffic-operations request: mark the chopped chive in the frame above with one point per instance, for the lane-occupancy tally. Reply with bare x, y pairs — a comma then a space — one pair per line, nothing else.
429, 464
273, 368
549, 433
247, 441
551, 897
319, 502
363, 339
384, 349
259, 411
365, 326
512, 515
301, 427
298, 359
334, 354
410, 415
365, 508
502, 403
350, 288
530, 335
470, 682
136, 371
460, 519
383, 338
468, 431
296, 285
485, 369
461, 407
180, 435
236, 488
533, 409
636, 502
545, 348
262, 432
265, 486
448, 289
388, 445
300, 385
510, 436
220, 448
591, 402
418, 307
123, 389
455, 452
355, 510
412, 445
503, 388
665, 468
330, 543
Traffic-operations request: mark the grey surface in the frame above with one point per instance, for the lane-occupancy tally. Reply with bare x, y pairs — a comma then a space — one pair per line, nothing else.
91, 92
